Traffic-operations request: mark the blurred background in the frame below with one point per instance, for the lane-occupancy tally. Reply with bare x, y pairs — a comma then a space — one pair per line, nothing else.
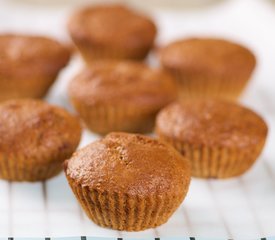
250, 22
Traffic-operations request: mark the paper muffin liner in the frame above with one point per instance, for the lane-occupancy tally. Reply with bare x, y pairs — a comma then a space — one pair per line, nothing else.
15, 167
91, 52
217, 162
103, 119
25, 87
123, 211
193, 86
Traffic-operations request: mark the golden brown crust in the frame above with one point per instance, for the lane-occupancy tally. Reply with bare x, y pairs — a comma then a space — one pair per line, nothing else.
120, 96
129, 164
112, 28
208, 68
220, 139
23, 54
210, 56
35, 137
30, 125
127, 181
126, 83
29, 65
212, 123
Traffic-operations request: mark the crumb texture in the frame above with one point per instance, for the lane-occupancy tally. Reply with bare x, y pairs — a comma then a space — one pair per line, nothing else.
212, 123
131, 164
34, 129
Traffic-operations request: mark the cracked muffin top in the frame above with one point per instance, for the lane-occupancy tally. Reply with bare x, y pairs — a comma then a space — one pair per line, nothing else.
212, 123
35, 129
129, 163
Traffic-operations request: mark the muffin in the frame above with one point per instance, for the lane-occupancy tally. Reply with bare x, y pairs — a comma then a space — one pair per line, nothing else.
35, 139
220, 138
120, 96
208, 68
128, 181
111, 32
29, 65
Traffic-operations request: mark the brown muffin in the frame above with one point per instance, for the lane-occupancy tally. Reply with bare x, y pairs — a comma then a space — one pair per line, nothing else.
29, 65
128, 181
111, 31
221, 139
208, 68
120, 96
35, 139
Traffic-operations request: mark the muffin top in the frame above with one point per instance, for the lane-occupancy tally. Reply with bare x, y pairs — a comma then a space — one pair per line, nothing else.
212, 123
131, 164
128, 82
111, 25
18, 50
34, 128
215, 56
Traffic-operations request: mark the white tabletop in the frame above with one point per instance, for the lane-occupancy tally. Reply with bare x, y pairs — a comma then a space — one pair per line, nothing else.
239, 208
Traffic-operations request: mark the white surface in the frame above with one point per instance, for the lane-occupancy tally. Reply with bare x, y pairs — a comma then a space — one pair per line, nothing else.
241, 208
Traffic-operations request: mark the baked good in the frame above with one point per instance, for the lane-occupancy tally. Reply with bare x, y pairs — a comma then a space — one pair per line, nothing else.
111, 31
128, 181
29, 65
35, 139
120, 96
221, 139
208, 67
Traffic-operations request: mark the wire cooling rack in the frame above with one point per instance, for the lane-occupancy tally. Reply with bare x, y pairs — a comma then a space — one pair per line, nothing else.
99, 238
238, 208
